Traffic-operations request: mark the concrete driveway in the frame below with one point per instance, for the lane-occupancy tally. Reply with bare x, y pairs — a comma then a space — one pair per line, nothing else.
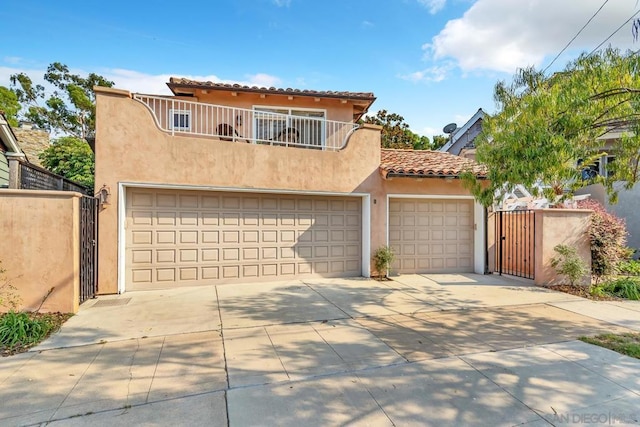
421, 349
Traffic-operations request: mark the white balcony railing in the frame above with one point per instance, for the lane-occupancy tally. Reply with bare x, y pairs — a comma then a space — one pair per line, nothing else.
243, 125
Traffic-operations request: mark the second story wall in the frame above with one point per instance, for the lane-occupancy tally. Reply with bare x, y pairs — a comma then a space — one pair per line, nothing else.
335, 109
131, 148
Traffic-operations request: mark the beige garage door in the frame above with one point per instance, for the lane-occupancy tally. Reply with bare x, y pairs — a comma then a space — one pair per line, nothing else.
184, 238
431, 236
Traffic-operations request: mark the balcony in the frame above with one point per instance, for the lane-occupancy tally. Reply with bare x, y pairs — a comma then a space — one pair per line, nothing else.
257, 126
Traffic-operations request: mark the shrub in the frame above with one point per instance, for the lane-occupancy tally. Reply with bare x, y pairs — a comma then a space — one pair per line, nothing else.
630, 267
382, 259
23, 330
608, 235
569, 264
624, 287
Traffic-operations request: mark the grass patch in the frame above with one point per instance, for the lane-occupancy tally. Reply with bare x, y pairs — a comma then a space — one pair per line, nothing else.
626, 343
20, 331
622, 287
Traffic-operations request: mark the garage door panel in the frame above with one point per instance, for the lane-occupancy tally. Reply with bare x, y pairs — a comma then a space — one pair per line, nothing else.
305, 268
188, 255
141, 275
305, 205
141, 199
142, 217
166, 200
430, 235
210, 273
178, 238
166, 237
142, 237
321, 267
142, 256
189, 273
189, 218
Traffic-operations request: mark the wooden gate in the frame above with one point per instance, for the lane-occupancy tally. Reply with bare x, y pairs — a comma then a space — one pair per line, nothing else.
88, 247
515, 243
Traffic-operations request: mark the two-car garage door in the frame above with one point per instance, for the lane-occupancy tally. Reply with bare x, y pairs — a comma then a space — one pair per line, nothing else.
431, 235
183, 238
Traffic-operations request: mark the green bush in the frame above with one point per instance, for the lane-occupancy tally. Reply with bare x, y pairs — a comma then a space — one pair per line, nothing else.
630, 267
608, 236
569, 264
22, 329
382, 259
623, 287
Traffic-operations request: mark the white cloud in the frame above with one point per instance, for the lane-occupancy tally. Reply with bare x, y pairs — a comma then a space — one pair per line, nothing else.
282, 3
262, 79
434, 6
366, 24
12, 60
503, 35
37, 76
429, 131
435, 73
135, 81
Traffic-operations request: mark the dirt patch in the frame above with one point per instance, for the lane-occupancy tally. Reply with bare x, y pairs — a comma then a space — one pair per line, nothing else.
581, 291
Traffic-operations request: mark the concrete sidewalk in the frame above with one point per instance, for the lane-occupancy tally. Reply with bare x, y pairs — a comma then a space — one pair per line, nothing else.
429, 350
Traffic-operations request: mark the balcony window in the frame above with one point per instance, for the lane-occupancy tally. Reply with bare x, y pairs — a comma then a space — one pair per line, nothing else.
180, 120
305, 127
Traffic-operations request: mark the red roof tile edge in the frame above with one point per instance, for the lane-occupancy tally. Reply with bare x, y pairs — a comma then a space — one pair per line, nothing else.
426, 163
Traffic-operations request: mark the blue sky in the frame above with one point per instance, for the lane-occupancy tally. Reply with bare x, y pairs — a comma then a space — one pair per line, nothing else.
432, 61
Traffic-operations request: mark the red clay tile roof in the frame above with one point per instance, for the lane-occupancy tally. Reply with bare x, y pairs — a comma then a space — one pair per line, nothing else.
426, 163
175, 82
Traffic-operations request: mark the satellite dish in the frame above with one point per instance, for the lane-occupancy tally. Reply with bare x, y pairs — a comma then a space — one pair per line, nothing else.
450, 128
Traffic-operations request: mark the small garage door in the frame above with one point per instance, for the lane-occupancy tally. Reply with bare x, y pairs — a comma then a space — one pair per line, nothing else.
431, 236
185, 238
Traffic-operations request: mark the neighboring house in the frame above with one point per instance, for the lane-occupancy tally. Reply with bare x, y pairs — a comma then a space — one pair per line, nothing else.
8, 145
461, 142
32, 142
233, 184
628, 204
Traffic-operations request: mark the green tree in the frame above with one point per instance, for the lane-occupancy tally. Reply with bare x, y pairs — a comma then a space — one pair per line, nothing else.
439, 141
9, 105
69, 109
545, 125
72, 158
396, 132
421, 142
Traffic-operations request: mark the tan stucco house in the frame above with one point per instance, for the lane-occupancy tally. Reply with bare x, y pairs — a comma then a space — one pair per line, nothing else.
227, 183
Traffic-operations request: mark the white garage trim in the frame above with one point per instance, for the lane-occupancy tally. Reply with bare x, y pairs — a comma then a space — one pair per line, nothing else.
122, 191
478, 218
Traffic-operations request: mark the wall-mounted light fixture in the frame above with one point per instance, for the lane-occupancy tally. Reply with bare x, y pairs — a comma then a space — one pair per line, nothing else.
104, 196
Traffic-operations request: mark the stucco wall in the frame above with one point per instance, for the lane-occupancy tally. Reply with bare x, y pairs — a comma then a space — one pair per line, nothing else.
628, 207
335, 109
40, 241
559, 227
131, 149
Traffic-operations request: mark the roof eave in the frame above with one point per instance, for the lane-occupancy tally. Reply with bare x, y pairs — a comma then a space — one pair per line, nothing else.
387, 175
9, 138
260, 90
